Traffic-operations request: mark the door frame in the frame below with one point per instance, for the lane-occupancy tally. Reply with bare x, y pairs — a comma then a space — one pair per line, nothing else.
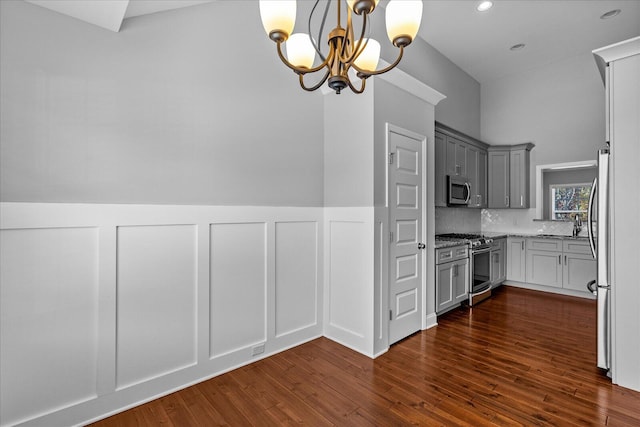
390, 127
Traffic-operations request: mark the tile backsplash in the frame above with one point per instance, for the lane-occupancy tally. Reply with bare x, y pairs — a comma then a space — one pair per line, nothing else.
522, 221
457, 220
464, 220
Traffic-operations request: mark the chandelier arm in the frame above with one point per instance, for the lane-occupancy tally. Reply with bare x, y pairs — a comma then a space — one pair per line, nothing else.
320, 83
348, 34
384, 70
363, 81
324, 18
302, 70
356, 50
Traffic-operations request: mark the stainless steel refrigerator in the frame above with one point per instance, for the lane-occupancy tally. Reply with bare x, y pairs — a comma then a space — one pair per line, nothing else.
598, 228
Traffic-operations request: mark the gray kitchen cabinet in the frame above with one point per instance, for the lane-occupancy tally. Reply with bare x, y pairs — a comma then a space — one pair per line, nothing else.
560, 263
498, 178
508, 175
498, 261
456, 157
544, 262
579, 266
482, 179
472, 176
578, 269
519, 181
516, 259
457, 154
440, 170
452, 277
544, 268
477, 176
452, 284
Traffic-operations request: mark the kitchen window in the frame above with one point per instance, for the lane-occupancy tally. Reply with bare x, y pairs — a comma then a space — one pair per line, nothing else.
569, 200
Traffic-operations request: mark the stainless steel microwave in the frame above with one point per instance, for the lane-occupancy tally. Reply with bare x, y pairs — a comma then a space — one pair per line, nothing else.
458, 191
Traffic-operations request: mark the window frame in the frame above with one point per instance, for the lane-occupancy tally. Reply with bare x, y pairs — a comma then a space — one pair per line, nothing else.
552, 205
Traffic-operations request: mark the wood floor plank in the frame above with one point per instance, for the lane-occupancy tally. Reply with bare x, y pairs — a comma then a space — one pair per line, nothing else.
521, 358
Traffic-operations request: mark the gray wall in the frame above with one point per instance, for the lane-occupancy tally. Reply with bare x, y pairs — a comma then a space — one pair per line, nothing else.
399, 108
348, 149
181, 107
461, 107
185, 107
559, 107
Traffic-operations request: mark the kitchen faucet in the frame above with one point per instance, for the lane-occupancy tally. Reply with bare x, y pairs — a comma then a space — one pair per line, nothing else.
577, 225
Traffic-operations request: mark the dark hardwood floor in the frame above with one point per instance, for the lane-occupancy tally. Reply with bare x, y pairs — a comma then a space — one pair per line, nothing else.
520, 358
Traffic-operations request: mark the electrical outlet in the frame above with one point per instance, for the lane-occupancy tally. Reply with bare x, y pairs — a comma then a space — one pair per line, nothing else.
258, 349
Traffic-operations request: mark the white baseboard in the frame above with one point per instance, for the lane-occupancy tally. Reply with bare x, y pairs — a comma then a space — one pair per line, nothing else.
550, 289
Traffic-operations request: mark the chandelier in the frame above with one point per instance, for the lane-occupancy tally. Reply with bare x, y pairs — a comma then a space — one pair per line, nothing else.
347, 57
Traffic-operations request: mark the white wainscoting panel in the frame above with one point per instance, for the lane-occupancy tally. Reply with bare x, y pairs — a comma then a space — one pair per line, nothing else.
156, 301
104, 307
49, 320
238, 287
296, 276
349, 277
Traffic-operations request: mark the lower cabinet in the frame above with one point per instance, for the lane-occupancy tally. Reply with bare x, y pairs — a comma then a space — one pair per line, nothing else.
452, 277
544, 268
516, 260
498, 261
558, 263
452, 284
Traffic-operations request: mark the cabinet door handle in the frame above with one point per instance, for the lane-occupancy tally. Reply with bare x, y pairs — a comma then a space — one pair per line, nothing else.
523, 245
521, 201
506, 201
560, 259
565, 260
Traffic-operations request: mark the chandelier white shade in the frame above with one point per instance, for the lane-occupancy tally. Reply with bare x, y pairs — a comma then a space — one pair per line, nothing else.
403, 19
345, 51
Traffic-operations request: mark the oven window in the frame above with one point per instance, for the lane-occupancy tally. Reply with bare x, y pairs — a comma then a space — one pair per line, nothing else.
481, 269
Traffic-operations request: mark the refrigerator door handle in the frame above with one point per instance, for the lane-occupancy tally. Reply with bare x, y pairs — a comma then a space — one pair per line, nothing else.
592, 243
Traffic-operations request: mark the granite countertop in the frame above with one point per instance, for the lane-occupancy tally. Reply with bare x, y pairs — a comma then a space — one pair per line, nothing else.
499, 235
536, 236
449, 243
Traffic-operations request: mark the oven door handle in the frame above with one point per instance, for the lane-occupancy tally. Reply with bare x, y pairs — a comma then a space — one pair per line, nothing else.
480, 251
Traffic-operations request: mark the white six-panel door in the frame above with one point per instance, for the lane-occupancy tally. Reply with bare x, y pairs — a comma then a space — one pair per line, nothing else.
405, 225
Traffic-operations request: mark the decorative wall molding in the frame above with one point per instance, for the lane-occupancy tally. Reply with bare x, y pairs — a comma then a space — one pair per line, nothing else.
132, 302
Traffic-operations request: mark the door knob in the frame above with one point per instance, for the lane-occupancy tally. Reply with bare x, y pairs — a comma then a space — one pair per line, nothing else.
421, 246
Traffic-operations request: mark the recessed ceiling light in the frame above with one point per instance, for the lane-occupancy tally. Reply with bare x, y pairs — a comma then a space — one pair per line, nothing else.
518, 46
484, 6
610, 14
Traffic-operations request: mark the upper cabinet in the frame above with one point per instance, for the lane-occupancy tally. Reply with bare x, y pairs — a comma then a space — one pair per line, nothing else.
509, 176
457, 154
456, 157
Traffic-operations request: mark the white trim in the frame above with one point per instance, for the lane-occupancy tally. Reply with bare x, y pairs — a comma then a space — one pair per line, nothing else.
552, 205
614, 52
431, 321
539, 172
410, 84
548, 289
389, 127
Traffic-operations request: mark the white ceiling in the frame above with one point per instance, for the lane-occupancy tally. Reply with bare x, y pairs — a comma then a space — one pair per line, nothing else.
477, 42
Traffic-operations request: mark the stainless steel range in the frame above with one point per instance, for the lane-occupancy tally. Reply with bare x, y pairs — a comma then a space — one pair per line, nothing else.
480, 263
